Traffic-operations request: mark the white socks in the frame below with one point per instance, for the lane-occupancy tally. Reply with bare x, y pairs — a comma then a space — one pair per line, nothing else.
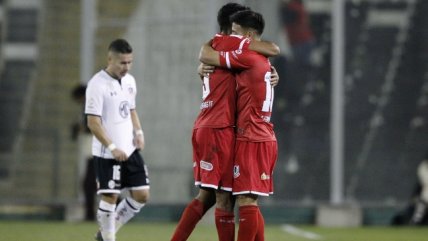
106, 220
126, 209
111, 219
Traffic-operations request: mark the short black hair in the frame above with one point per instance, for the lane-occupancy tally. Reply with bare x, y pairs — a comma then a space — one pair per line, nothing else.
120, 46
223, 16
249, 19
78, 91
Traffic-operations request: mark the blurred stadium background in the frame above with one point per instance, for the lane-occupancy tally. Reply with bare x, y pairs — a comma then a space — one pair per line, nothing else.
386, 104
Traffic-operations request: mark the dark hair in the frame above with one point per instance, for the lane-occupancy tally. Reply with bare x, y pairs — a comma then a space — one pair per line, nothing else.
249, 19
223, 16
120, 46
78, 91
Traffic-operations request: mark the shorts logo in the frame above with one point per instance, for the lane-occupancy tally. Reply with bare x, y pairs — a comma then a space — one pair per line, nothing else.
206, 165
264, 177
111, 184
236, 173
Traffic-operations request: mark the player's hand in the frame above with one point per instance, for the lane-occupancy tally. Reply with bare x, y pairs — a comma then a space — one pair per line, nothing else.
274, 77
119, 155
139, 141
204, 70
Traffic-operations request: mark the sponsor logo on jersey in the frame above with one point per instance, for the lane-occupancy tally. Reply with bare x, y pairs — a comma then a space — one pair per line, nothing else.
207, 104
206, 165
124, 109
264, 177
236, 173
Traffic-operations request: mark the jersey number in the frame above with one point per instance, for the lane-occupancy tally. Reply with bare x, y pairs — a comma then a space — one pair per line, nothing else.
267, 103
206, 87
116, 172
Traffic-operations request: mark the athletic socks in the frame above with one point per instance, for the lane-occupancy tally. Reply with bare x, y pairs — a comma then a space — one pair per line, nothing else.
225, 223
248, 223
106, 220
260, 236
190, 217
127, 209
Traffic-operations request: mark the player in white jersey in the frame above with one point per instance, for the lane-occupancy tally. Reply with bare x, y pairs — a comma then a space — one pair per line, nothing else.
118, 137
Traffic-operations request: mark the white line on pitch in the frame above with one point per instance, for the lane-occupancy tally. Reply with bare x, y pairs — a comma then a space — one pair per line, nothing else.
300, 232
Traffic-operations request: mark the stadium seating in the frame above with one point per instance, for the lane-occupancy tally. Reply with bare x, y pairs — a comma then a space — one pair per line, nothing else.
385, 121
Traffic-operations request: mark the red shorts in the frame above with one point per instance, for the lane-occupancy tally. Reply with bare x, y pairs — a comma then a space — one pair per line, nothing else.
213, 157
253, 168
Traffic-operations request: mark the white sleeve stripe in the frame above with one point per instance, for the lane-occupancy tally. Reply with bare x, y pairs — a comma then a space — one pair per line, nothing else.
242, 43
227, 60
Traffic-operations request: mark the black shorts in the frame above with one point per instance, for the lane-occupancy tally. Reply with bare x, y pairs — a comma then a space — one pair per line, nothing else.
113, 176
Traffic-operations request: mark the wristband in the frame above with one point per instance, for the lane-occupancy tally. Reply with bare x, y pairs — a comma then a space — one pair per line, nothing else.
139, 132
111, 147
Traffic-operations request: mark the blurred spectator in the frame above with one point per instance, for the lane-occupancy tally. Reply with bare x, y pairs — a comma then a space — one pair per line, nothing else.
295, 21
420, 214
85, 166
416, 213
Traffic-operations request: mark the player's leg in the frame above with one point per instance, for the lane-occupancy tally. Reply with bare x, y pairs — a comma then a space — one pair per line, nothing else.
193, 213
224, 216
225, 202
248, 217
135, 178
108, 177
205, 177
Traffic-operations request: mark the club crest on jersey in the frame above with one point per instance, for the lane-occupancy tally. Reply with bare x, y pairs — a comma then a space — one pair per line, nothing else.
206, 165
131, 90
124, 109
236, 172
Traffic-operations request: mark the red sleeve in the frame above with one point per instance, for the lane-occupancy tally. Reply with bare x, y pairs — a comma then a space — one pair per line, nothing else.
237, 59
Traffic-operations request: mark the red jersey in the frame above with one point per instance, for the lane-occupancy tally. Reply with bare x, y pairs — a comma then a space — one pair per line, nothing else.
255, 94
219, 89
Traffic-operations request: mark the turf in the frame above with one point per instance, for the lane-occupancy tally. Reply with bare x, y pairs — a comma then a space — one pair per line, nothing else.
61, 231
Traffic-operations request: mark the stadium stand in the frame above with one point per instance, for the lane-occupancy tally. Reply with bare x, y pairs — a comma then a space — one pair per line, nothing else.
385, 108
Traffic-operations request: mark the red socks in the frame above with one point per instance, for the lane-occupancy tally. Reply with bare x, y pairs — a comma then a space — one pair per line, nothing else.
248, 223
225, 223
190, 217
261, 227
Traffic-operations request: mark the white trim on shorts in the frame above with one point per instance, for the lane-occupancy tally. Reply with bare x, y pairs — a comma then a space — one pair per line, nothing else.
253, 192
144, 187
200, 184
102, 191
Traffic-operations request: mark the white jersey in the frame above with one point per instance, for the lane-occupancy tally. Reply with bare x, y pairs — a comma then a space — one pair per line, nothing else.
112, 100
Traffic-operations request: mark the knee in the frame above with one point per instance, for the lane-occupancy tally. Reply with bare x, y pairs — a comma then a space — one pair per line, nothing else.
224, 201
245, 200
141, 196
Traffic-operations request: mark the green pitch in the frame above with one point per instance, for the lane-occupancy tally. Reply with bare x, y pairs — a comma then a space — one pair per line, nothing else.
60, 231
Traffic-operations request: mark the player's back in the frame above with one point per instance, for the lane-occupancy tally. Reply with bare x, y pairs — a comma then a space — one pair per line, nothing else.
255, 96
219, 88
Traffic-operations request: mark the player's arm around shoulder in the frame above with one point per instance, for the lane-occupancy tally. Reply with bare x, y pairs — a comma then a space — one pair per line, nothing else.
265, 48
208, 55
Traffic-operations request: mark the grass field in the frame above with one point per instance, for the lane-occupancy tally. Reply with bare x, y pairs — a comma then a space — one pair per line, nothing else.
61, 231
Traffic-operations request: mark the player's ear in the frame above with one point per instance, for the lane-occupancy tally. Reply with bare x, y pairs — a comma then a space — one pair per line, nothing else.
250, 34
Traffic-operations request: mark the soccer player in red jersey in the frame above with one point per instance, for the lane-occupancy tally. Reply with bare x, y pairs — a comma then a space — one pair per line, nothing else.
213, 137
256, 146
